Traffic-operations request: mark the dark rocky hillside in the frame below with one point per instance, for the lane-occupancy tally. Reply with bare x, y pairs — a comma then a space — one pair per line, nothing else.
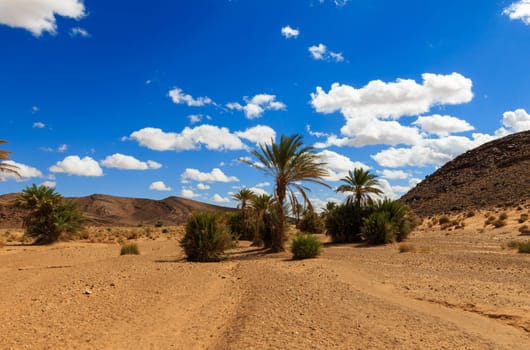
116, 211
492, 175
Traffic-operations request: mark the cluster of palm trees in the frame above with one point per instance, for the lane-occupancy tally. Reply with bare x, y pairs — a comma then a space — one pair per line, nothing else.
291, 163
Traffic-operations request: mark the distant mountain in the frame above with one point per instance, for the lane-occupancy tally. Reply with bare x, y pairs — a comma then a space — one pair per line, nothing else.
494, 174
104, 210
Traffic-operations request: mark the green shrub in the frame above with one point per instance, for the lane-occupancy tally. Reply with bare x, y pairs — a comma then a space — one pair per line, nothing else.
522, 247
378, 228
240, 226
499, 223
388, 223
206, 237
311, 222
305, 246
444, 220
344, 222
129, 249
524, 230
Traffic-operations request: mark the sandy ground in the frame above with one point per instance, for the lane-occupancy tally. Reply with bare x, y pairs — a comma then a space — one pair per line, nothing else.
461, 291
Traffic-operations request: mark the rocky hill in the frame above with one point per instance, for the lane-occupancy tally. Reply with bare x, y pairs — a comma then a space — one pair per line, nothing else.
492, 175
104, 210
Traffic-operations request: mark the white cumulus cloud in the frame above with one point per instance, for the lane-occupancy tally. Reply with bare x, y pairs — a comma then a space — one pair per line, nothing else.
395, 99
188, 193
159, 186
50, 184
78, 31
25, 171
430, 151
38, 16
514, 121
39, 125
519, 10
290, 32
257, 105
202, 186
125, 162
179, 97
393, 174
442, 125
338, 165
219, 199
366, 110
73, 165
258, 134
320, 52
216, 175
212, 137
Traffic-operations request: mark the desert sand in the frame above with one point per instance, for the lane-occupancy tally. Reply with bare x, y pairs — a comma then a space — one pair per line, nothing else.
461, 289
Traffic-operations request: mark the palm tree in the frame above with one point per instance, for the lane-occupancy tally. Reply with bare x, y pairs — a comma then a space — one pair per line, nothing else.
260, 206
362, 184
290, 163
244, 196
49, 215
6, 167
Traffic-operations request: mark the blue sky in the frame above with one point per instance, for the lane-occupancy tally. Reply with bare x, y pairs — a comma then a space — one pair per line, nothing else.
162, 98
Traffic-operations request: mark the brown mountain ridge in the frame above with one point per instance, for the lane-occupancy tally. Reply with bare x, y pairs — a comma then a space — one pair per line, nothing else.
105, 210
495, 174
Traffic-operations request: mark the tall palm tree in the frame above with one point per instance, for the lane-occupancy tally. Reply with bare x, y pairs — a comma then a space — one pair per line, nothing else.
6, 167
244, 196
290, 163
260, 206
362, 184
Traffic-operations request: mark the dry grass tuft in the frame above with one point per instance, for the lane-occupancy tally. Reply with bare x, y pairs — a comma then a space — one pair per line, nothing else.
407, 248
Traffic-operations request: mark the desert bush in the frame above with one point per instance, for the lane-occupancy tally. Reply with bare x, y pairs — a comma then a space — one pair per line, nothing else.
378, 228
524, 230
305, 246
50, 216
344, 222
444, 220
522, 247
522, 218
503, 216
407, 248
206, 237
499, 223
159, 224
470, 214
129, 249
240, 226
388, 223
311, 222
